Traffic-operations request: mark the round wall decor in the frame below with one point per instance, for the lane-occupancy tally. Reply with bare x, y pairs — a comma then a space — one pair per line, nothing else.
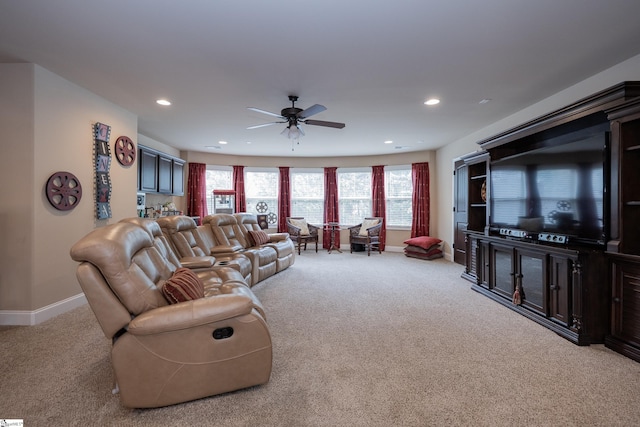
125, 151
262, 207
63, 191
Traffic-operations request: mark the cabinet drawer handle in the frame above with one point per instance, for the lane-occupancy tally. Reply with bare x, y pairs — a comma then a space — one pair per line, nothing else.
616, 299
554, 287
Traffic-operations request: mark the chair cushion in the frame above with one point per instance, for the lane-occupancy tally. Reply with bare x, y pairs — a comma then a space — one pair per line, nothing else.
301, 224
184, 285
366, 224
259, 237
425, 242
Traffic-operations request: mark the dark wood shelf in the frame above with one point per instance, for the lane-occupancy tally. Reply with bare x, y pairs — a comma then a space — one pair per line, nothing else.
633, 148
479, 177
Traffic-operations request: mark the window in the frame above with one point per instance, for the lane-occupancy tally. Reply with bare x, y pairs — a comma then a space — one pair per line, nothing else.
261, 190
399, 196
307, 195
354, 196
218, 178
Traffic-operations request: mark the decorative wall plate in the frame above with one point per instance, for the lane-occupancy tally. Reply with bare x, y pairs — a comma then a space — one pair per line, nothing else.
125, 151
63, 191
483, 191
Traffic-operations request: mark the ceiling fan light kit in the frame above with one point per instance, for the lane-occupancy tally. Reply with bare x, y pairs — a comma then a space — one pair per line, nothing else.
294, 116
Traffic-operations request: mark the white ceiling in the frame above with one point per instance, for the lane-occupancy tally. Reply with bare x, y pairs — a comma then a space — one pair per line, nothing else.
372, 64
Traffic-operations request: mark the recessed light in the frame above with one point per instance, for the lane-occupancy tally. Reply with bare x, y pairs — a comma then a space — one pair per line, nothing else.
484, 101
163, 102
388, 141
222, 142
432, 101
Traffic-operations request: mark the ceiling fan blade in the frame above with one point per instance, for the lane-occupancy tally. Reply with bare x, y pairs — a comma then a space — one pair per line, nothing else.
264, 124
257, 110
326, 124
314, 109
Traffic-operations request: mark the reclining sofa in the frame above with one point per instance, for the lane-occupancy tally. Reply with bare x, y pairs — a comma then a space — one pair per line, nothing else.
170, 347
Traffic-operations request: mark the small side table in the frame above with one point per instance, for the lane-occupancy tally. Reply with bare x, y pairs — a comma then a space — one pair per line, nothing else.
333, 228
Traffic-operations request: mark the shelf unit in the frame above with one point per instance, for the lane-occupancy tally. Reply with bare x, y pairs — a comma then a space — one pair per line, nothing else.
624, 246
477, 192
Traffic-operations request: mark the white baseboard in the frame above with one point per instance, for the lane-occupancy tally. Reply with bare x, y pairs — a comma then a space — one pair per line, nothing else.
30, 318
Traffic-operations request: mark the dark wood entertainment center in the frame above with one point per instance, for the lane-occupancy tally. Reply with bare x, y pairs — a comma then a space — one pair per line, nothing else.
586, 290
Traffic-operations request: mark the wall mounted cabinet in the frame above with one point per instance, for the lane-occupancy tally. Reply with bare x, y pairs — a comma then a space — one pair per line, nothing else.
160, 173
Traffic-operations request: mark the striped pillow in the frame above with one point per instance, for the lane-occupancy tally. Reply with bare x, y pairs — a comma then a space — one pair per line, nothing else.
259, 237
184, 285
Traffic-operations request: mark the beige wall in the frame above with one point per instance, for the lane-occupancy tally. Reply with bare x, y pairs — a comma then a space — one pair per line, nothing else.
625, 71
16, 191
50, 129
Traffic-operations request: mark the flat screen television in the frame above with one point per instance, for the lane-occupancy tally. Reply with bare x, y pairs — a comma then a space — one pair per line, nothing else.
559, 189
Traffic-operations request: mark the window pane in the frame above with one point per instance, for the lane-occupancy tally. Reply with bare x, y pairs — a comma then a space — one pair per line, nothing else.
261, 190
398, 192
217, 180
307, 196
354, 196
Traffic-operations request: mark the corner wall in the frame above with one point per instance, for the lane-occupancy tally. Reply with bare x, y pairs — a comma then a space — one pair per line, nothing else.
50, 131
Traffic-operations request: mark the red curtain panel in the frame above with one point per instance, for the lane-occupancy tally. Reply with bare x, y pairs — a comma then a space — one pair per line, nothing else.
379, 205
197, 190
238, 186
330, 205
420, 179
284, 199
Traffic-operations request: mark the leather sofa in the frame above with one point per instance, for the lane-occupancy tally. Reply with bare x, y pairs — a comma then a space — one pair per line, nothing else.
194, 245
162, 353
281, 242
231, 236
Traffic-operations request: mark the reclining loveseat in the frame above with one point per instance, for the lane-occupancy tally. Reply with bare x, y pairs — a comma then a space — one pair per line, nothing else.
177, 334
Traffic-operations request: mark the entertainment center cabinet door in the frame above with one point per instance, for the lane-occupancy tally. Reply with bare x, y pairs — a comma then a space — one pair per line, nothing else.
503, 270
531, 275
625, 328
560, 282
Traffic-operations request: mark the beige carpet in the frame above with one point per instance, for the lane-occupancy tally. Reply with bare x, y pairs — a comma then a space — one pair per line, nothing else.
358, 341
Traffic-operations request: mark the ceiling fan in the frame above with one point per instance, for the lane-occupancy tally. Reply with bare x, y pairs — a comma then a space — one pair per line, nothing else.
294, 116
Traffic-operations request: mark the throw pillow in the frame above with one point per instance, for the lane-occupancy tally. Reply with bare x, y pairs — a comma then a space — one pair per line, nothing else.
424, 242
301, 224
184, 285
259, 237
367, 224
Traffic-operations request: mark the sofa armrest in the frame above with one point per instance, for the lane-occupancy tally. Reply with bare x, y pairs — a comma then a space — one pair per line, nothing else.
278, 237
189, 314
197, 261
225, 249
